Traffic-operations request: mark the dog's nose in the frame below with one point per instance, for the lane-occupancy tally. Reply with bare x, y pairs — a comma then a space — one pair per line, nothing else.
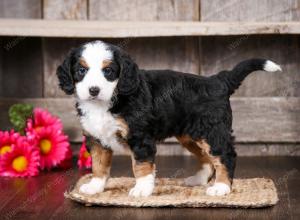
94, 91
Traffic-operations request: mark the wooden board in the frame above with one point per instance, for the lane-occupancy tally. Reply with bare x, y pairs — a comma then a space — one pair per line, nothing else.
67, 9
268, 120
119, 29
179, 54
21, 67
144, 10
20, 9
221, 53
248, 149
254, 10
149, 53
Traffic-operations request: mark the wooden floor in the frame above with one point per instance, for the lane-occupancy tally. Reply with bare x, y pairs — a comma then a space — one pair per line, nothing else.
42, 197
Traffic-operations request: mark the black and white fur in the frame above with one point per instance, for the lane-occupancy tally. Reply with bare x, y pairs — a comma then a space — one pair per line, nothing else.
155, 104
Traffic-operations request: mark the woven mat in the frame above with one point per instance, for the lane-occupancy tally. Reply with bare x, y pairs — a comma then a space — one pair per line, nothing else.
246, 193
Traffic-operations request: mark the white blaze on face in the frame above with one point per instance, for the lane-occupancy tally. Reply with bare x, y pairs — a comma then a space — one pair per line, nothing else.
94, 55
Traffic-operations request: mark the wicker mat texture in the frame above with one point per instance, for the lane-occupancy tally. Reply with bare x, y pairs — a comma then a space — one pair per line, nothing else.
246, 193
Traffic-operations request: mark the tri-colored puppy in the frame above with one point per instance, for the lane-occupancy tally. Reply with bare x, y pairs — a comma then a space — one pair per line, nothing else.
122, 106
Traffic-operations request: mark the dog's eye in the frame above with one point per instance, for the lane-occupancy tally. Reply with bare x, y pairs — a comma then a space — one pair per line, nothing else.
82, 71
107, 71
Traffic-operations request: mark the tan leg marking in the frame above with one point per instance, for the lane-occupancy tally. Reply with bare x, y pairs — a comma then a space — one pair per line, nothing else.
221, 171
101, 161
144, 173
222, 183
205, 171
191, 146
101, 164
123, 128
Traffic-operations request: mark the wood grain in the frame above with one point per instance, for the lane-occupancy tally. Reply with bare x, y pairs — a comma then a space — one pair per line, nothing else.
180, 54
120, 29
67, 9
242, 149
255, 120
254, 10
144, 10
221, 53
20, 9
266, 119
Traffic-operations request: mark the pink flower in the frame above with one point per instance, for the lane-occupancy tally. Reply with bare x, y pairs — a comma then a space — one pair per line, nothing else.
46, 132
53, 146
7, 141
85, 159
21, 161
42, 118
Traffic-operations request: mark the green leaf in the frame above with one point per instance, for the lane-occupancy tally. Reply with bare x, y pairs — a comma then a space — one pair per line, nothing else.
18, 115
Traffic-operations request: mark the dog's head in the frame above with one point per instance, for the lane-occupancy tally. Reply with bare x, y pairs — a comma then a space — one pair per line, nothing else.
97, 71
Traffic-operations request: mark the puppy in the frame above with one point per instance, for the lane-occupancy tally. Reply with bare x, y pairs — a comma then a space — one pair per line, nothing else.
121, 106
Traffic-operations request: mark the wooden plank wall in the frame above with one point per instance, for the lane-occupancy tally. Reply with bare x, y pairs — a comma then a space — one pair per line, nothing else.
254, 10
224, 52
20, 9
258, 113
21, 70
144, 10
67, 9
284, 50
148, 52
27, 67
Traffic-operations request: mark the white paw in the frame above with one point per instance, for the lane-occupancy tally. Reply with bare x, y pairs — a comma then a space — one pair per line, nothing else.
218, 189
96, 185
144, 186
201, 177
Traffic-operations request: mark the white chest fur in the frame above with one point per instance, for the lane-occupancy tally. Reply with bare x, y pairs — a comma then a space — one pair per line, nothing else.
100, 123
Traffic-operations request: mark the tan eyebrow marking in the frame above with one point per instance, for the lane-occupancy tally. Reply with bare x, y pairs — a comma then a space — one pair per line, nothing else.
83, 63
106, 63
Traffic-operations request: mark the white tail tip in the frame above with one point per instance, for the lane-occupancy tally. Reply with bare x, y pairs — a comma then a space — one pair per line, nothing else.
271, 66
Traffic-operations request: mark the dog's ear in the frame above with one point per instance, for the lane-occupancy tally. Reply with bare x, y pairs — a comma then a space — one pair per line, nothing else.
128, 79
65, 76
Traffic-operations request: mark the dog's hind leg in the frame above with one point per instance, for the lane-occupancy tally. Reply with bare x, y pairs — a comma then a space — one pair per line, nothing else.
223, 158
205, 171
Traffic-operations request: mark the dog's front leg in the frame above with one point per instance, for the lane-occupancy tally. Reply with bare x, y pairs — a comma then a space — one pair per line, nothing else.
144, 173
143, 154
101, 164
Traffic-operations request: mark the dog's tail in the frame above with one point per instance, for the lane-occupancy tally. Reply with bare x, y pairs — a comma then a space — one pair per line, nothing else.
234, 78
